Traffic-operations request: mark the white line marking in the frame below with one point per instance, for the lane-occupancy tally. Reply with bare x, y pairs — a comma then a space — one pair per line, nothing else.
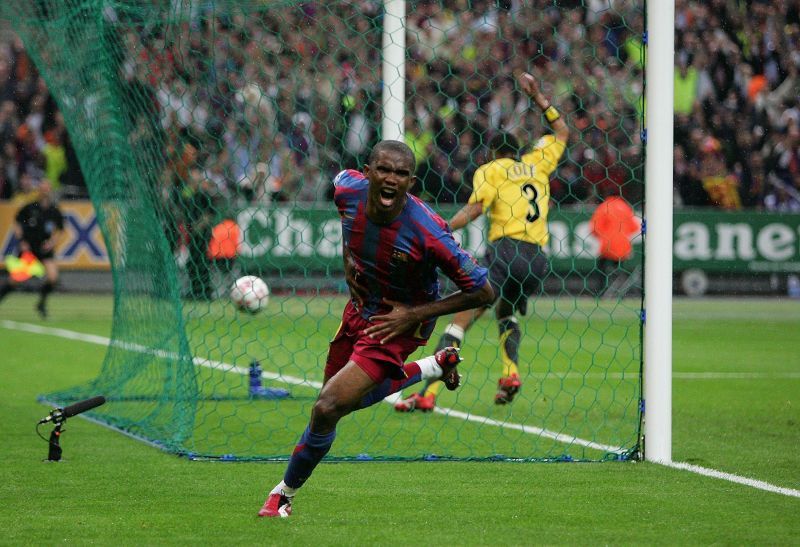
736, 375
103, 341
138, 348
676, 375
753, 483
561, 437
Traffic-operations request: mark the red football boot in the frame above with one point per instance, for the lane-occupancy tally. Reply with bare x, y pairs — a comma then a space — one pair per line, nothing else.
277, 505
507, 388
448, 358
416, 402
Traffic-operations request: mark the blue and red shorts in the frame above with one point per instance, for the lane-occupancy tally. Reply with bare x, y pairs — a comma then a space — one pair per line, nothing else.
379, 361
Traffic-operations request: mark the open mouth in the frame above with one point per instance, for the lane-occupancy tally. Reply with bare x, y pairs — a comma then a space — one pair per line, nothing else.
387, 196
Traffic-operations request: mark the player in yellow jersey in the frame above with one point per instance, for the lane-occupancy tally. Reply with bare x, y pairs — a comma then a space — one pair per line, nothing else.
515, 196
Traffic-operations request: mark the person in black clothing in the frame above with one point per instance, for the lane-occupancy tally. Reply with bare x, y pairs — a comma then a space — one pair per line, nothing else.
39, 226
198, 209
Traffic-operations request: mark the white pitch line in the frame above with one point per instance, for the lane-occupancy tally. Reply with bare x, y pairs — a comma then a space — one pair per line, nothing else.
736, 375
531, 430
138, 348
561, 437
753, 483
675, 375
219, 365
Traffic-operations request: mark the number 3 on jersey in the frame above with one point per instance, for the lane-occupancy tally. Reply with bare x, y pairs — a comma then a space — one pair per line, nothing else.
530, 193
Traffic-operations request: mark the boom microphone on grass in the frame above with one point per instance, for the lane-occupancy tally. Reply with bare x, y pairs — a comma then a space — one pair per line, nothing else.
58, 415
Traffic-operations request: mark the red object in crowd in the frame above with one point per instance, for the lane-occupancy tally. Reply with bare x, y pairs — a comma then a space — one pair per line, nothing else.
756, 84
614, 224
224, 242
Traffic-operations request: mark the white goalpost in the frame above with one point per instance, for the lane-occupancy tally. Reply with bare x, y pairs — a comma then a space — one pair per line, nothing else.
658, 216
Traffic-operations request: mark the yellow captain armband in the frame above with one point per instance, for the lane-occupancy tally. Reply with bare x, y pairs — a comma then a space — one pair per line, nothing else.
552, 114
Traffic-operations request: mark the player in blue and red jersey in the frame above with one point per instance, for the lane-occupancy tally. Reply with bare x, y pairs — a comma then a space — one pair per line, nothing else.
395, 245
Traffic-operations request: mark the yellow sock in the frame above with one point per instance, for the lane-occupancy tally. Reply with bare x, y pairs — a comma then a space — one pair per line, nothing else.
509, 366
434, 389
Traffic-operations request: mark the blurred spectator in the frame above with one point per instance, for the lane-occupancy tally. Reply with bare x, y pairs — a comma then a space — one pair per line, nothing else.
27, 192
721, 186
197, 206
782, 199
688, 188
686, 85
55, 156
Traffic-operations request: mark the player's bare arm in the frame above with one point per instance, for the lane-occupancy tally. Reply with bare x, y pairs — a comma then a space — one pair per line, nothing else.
403, 318
465, 215
531, 88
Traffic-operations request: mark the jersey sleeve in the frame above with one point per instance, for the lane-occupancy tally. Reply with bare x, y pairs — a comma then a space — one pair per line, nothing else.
482, 191
347, 184
456, 263
346, 178
546, 154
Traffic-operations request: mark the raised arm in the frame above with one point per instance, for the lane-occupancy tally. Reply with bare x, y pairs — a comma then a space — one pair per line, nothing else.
528, 84
465, 215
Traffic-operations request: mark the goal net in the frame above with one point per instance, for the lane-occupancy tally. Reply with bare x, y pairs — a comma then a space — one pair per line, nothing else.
209, 133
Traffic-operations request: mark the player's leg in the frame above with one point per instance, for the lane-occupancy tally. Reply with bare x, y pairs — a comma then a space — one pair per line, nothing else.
526, 271
7, 287
50, 280
434, 368
509, 383
425, 398
340, 395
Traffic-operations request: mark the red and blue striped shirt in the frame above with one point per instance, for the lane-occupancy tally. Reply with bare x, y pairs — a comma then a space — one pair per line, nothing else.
401, 260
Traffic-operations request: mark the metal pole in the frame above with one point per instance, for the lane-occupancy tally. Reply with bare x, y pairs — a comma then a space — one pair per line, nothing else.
658, 214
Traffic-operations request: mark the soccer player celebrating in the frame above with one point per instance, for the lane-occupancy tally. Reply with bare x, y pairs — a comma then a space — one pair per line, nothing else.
515, 195
395, 245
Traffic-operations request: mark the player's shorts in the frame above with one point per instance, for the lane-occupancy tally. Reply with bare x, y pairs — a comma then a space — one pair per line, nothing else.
516, 270
379, 361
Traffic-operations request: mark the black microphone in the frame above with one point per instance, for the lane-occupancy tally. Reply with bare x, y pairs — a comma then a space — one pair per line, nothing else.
58, 415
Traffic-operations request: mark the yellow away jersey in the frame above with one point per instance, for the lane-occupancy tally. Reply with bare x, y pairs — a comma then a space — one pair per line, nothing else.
516, 194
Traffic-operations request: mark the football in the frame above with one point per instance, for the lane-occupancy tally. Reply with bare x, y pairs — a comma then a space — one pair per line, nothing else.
250, 294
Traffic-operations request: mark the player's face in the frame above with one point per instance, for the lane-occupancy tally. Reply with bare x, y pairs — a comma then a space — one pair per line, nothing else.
390, 177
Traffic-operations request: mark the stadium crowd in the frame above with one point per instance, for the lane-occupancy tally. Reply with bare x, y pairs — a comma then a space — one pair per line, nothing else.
269, 105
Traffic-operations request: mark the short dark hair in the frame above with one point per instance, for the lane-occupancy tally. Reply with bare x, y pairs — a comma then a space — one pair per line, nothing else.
504, 144
396, 147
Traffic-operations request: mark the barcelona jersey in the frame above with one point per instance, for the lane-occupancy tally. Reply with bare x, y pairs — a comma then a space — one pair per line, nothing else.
515, 195
401, 260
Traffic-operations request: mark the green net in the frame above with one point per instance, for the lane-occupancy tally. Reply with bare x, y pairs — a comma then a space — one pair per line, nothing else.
201, 123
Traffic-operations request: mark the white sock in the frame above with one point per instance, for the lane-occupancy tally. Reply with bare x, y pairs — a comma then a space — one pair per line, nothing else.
281, 488
454, 330
429, 367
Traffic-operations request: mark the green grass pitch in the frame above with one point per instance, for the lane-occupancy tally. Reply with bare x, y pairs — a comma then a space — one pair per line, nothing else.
736, 409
